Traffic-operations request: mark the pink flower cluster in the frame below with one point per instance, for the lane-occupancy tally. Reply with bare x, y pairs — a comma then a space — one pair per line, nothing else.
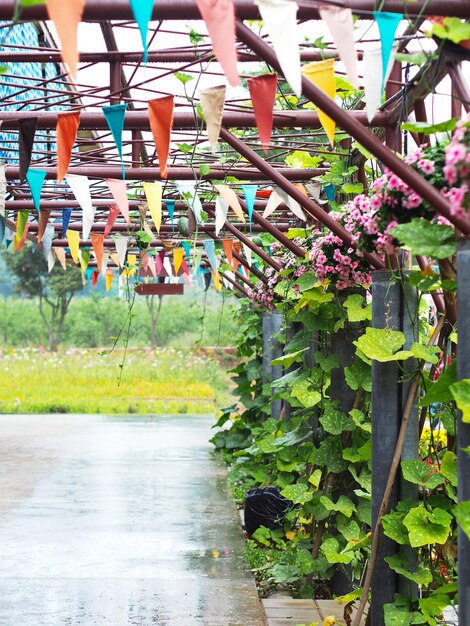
457, 168
359, 217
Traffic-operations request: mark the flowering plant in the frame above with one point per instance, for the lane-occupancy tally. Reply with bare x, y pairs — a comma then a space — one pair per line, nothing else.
457, 168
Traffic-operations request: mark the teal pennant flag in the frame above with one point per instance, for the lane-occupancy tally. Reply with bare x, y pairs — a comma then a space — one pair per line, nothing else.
388, 24
170, 205
36, 180
142, 10
249, 191
2, 228
209, 247
115, 115
187, 250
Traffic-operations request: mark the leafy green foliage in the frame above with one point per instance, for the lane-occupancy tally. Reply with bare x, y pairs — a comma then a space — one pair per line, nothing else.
427, 527
423, 237
461, 393
383, 344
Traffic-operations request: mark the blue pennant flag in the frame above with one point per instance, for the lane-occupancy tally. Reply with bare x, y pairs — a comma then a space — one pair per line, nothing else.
115, 115
66, 213
209, 247
249, 191
2, 228
170, 205
36, 180
388, 24
142, 10
330, 192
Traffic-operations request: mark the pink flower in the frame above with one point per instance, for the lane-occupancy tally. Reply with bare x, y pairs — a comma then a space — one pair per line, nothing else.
426, 166
455, 152
450, 173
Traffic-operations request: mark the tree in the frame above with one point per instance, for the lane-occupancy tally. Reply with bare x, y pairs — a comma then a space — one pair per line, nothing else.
53, 290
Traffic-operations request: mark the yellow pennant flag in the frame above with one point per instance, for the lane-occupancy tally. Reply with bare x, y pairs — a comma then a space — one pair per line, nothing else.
109, 280
73, 238
322, 74
131, 260
153, 193
178, 254
217, 282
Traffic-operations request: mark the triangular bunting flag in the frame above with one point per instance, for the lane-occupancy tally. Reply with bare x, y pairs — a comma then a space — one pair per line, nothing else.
109, 279
67, 126
341, 26
27, 131
23, 237
274, 201
167, 267
121, 244
388, 24
161, 123
151, 262
247, 252
178, 254
2, 228
373, 90
170, 207
36, 180
263, 95
228, 249
221, 210
217, 282
113, 213
21, 221
280, 20
84, 256
60, 254
80, 185
118, 189
73, 238
293, 205
153, 193
97, 241
197, 256
322, 74
237, 247
249, 191
104, 264
115, 114
66, 15
66, 214
159, 261
43, 219
209, 247
231, 197
51, 259
219, 16
94, 278
212, 103
142, 10
47, 240
143, 218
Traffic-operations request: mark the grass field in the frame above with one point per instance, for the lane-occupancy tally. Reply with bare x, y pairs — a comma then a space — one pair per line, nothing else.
83, 381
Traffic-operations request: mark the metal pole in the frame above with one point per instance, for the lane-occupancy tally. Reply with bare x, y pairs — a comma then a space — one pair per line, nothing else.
463, 429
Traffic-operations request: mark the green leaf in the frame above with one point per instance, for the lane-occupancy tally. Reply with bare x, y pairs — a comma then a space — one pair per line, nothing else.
186, 148
358, 418
425, 353
302, 159
462, 513
424, 238
195, 37
355, 188
182, 77
430, 129
393, 526
327, 363
433, 605
349, 528
425, 527
359, 375
298, 493
461, 393
330, 548
305, 393
335, 422
417, 58
314, 478
399, 564
383, 344
30, 3
453, 29
358, 544
344, 505
287, 360
204, 169
305, 281
449, 467
357, 309
419, 473
399, 616
440, 391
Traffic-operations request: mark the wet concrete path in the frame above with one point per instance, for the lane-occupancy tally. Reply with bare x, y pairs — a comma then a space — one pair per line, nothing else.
118, 521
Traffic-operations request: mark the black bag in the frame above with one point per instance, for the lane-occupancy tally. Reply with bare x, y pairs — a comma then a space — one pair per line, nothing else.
265, 507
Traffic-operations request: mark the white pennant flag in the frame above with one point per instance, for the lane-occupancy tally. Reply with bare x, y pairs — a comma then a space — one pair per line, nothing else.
168, 268
293, 205
47, 241
372, 65
274, 201
221, 210
341, 26
189, 194
104, 263
80, 185
121, 244
247, 252
231, 197
212, 104
51, 261
280, 19
314, 190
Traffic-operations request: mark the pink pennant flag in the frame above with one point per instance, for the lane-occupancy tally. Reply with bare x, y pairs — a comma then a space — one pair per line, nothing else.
118, 189
144, 260
113, 213
152, 265
219, 16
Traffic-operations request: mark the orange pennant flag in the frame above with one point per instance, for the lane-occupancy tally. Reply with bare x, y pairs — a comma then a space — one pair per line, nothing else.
228, 249
161, 123
97, 243
66, 15
237, 247
43, 219
60, 254
67, 126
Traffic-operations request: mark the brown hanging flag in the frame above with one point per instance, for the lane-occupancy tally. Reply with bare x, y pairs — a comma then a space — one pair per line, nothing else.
25, 143
67, 126
161, 123
263, 95
43, 219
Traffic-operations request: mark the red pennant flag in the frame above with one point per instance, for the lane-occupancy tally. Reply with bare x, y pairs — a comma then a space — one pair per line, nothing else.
67, 126
161, 123
263, 95
228, 249
43, 219
94, 277
219, 16
97, 243
113, 213
184, 268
